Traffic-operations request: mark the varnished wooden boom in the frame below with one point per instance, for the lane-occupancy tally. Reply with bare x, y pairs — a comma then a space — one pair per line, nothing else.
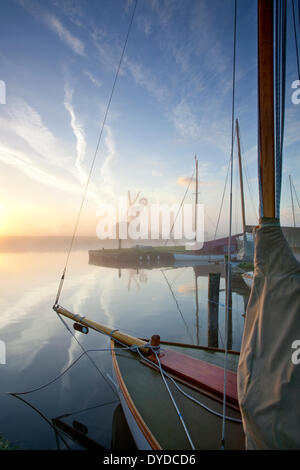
116, 334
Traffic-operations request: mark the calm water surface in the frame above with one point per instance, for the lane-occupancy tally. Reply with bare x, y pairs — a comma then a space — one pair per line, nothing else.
39, 347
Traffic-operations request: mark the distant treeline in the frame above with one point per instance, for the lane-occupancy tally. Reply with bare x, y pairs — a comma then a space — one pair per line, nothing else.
19, 244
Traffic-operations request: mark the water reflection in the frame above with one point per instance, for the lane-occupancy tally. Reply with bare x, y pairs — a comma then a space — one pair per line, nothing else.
172, 302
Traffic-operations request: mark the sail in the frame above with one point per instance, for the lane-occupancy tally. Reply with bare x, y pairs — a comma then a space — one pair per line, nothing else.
268, 380
268, 370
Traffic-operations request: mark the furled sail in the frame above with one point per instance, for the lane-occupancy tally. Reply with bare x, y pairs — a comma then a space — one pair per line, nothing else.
268, 380
268, 373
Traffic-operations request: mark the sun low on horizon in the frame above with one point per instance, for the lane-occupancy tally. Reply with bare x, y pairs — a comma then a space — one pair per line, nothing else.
172, 101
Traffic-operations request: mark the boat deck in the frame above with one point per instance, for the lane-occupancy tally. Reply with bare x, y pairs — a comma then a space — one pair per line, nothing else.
152, 407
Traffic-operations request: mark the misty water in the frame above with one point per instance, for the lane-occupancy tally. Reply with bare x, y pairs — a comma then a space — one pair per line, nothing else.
39, 347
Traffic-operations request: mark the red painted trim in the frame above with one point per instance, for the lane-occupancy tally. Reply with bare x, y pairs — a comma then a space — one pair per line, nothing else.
200, 373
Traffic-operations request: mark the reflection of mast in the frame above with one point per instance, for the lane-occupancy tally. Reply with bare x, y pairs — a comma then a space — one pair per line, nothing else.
177, 305
290, 178
228, 291
241, 177
197, 310
196, 196
213, 309
78, 433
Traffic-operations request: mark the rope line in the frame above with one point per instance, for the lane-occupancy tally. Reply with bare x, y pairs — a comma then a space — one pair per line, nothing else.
296, 194
164, 375
228, 287
57, 432
95, 154
222, 201
280, 64
174, 402
295, 33
171, 230
89, 357
178, 308
205, 407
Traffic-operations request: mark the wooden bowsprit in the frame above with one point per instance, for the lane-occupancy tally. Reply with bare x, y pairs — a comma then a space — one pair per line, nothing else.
188, 369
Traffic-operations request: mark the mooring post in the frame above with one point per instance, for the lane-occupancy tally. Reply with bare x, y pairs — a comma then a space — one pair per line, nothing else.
229, 303
213, 309
155, 343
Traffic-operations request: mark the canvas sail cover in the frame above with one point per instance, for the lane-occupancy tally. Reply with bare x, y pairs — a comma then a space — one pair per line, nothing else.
268, 380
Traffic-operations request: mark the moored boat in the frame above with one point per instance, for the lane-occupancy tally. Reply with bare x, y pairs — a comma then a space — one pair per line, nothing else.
187, 412
151, 415
248, 278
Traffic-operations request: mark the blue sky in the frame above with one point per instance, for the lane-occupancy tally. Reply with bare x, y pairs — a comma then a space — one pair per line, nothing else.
172, 101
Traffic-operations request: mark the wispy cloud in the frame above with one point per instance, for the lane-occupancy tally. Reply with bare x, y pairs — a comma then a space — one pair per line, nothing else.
187, 180
109, 51
185, 120
93, 79
64, 34
29, 146
24, 124
79, 134
292, 125
56, 25
106, 177
145, 79
73, 9
106, 172
24, 163
108, 48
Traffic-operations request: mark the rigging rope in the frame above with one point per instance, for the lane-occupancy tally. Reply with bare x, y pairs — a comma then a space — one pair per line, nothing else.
171, 230
85, 352
95, 155
295, 33
228, 286
245, 168
225, 185
296, 194
163, 373
58, 432
177, 305
190, 397
280, 64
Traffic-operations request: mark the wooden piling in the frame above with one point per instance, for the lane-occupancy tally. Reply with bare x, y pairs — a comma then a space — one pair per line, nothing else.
228, 302
213, 309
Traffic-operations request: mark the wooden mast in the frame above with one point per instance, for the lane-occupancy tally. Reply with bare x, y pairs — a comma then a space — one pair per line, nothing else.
266, 107
241, 177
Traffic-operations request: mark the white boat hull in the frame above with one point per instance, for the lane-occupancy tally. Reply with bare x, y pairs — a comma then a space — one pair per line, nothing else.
197, 259
248, 279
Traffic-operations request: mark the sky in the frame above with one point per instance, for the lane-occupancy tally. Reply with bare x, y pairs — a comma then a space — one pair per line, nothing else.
173, 99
